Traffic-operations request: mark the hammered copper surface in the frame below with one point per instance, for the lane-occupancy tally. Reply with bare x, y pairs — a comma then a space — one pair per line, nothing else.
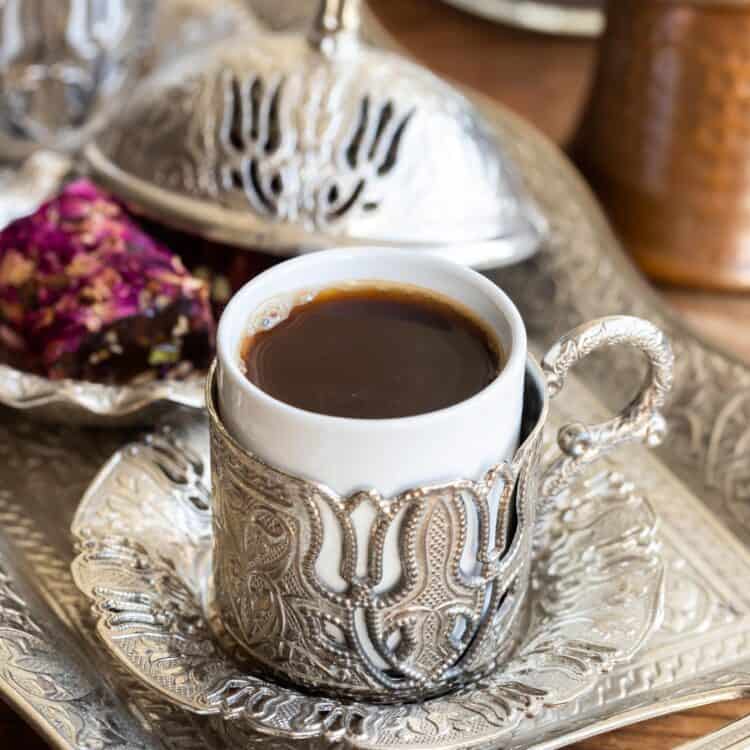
666, 137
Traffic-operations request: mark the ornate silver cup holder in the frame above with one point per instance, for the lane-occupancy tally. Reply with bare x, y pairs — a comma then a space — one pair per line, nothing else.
144, 532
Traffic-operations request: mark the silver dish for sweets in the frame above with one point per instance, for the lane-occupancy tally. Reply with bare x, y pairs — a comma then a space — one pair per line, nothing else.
287, 143
77, 401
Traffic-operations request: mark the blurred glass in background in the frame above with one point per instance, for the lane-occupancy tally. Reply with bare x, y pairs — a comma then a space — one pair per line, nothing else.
63, 64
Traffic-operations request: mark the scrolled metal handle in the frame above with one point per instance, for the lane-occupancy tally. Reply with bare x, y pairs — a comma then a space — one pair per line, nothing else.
640, 421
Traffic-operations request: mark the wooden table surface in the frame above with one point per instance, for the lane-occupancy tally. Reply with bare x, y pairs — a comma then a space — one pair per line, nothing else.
544, 79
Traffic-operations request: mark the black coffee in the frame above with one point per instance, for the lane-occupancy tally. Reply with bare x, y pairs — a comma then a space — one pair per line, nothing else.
373, 352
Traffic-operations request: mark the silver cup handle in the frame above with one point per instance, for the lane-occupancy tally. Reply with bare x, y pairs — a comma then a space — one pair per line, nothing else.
640, 421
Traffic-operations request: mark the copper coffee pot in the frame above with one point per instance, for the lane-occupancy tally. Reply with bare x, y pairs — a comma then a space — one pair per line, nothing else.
665, 138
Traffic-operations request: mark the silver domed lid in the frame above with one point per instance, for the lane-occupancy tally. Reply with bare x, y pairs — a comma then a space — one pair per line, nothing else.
290, 143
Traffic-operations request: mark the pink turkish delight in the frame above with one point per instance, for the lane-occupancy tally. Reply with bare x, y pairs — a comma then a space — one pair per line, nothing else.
85, 293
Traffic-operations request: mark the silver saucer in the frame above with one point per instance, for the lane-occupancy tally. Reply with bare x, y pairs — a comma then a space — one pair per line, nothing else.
144, 534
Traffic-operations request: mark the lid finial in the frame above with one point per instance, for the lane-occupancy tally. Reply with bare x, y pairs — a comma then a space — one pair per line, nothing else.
336, 21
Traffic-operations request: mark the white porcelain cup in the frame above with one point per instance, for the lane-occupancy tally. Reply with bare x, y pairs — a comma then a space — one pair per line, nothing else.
387, 455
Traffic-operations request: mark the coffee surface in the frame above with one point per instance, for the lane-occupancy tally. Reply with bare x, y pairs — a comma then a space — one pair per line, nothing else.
373, 352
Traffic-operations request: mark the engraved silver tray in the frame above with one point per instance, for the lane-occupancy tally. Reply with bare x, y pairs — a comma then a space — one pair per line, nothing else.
697, 483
